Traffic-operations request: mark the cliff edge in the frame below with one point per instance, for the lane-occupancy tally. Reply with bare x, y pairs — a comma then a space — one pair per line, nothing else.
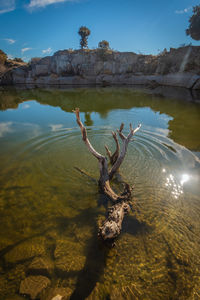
177, 67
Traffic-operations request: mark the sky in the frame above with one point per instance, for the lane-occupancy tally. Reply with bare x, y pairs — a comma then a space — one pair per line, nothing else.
37, 28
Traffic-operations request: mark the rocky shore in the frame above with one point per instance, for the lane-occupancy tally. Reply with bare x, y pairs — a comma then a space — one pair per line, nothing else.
177, 67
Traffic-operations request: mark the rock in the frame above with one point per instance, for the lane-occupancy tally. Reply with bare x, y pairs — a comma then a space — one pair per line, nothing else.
68, 257
34, 285
152, 84
41, 70
197, 85
26, 250
14, 297
3, 285
40, 266
178, 67
5, 242
56, 294
186, 80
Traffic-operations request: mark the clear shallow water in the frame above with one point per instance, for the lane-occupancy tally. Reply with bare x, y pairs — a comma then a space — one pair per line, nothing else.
49, 210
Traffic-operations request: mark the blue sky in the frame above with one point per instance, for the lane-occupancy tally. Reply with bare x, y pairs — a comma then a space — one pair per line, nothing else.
35, 28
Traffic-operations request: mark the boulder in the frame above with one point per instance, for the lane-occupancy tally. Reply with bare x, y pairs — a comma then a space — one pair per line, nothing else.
56, 294
33, 286
25, 251
68, 257
40, 266
197, 85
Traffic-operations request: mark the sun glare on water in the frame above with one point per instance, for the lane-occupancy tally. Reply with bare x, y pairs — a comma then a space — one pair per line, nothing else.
184, 178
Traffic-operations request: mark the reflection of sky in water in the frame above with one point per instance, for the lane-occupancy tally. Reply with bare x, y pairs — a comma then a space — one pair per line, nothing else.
32, 119
5, 127
18, 128
55, 118
55, 127
25, 106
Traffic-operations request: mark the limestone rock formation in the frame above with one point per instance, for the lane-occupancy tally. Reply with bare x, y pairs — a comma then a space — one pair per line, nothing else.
178, 67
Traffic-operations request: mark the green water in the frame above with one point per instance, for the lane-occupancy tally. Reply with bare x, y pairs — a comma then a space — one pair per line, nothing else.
49, 210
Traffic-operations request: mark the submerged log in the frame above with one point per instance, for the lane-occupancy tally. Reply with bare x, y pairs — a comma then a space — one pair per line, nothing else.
111, 227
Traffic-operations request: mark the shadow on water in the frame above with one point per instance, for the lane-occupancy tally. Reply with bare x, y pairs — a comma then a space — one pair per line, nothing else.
93, 269
96, 253
132, 226
96, 257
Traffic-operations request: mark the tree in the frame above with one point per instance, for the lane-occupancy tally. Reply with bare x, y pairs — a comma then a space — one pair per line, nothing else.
84, 32
104, 45
18, 59
3, 57
194, 27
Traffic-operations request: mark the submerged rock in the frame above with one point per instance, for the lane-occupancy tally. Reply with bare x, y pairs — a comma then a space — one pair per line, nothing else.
15, 297
34, 285
68, 256
26, 250
40, 266
56, 294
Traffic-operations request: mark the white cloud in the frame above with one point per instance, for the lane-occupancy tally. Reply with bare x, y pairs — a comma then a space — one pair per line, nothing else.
25, 49
10, 56
10, 41
5, 127
43, 3
7, 6
183, 11
47, 51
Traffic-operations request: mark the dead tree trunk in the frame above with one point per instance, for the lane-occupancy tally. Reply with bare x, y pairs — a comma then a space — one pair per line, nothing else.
111, 227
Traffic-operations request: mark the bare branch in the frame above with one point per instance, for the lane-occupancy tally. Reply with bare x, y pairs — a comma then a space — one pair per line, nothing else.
113, 196
137, 128
84, 135
121, 127
116, 153
126, 141
86, 174
113, 157
108, 152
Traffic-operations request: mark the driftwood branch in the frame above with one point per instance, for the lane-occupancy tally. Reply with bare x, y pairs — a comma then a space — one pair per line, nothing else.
125, 141
84, 135
111, 227
113, 157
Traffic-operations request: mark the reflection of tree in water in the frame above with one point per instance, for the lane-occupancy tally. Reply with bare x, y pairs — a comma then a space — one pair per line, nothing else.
88, 120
